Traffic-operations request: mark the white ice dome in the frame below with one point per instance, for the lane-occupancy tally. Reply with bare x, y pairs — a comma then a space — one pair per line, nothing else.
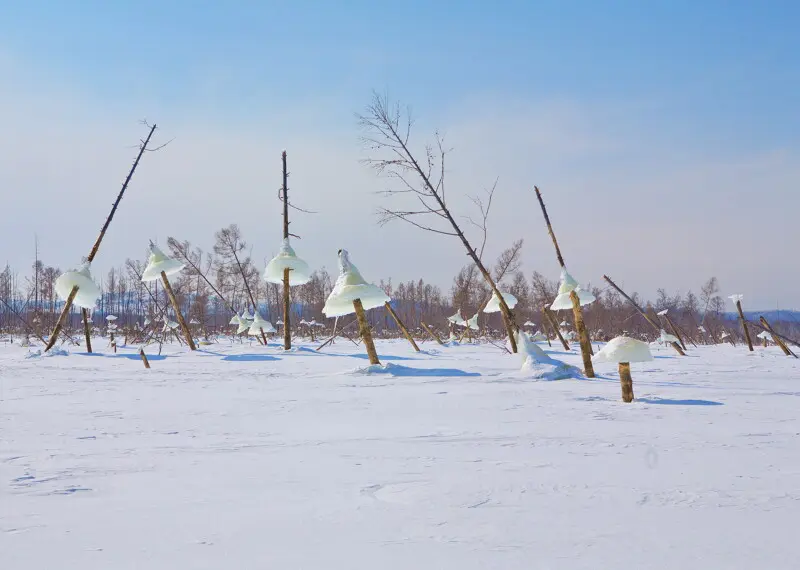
234, 319
247, 315
529, 324
667, 338
350, 285
472, 322
538, 337
763, 335
260, 324
623, 349
88, 291
565, 287
159, 262
300, 273
244, 324
457, 319
493, 306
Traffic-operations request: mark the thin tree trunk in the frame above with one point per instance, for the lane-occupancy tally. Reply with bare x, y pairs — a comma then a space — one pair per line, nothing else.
61, 319
402, 326
652, 323
287, 333
187, 334
143, 356
583, 335
674, 330
364, 331
86, 330
431, 332
552, 320
776, 338
744, 325
626, 381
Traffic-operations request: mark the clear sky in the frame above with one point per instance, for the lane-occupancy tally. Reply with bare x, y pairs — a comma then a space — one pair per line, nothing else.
664, 134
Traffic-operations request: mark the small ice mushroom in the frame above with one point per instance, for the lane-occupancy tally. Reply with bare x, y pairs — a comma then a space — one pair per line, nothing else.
472, 322
538, 337
666, 338
529, 324
623, 350
88, 291
567, 285
247, 315
234, 320
662, 313
244, 325
111, 318
493, 306
352, 294
260, 324
763, 335
159, 263
299, 272
457, 319
147, 321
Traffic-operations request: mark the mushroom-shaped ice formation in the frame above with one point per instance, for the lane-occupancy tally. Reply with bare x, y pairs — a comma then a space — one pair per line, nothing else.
567, 285
147, 321
88, 291
623, 350
350, 285
563, 324
736, 298
299, 273
666, 338
314, 323
529, 324
457, 319
536, 361
472, 322
279, 322
303, 322
763, 335
493, 306
160, 263
724, 334
247, 315
259, 324
538, 337
111, 318
172, 324
234, 320
662, 313
244, 325
194, 322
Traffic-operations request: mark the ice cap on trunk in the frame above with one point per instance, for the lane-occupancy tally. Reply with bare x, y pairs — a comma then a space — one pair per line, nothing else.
244, 324
763, 335
472, 322
566, 286
260, 324
667, 338
457, 319
350, 285
111, 318
529, 324
234, 319
299, 273
662, 313
493, 306
247, 315
623, 349
736, 298
88, 291
158, 263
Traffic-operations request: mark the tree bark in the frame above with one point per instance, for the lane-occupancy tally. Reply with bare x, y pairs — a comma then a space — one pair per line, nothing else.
744, 325
626, 382
674, 330
61, 319
776, 338
583, 335
143, 356
402, 326
287, 332
364, 331
431, 332
187, 334
86, 330
552, 320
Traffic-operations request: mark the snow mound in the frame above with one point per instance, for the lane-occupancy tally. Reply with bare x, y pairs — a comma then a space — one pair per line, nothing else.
537, 364
399, 370
52, 352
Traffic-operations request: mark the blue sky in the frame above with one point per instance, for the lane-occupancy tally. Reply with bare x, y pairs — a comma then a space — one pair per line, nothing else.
612, 99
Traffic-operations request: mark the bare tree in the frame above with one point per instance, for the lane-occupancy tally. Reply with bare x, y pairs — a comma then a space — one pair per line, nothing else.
387, 133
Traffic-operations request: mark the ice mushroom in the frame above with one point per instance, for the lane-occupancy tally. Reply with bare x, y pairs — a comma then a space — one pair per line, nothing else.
666, 338
472, 322
623, 350
457, 319
259, 324
88, 291
159, 263
299, 272
764, 336
352, 294
529, 324
567, 285
539, 364
493, 306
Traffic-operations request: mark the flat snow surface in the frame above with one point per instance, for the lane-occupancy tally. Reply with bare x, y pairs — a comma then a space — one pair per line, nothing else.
240, 456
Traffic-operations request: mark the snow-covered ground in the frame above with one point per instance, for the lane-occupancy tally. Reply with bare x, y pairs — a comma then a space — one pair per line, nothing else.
241, 456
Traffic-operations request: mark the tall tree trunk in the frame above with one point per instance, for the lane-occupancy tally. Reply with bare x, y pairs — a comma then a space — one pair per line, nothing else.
552, 320
364, 331
187, 334
744, 325
86, 330
583, 335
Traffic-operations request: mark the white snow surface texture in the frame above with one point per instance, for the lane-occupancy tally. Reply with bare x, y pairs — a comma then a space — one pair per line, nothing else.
244, 456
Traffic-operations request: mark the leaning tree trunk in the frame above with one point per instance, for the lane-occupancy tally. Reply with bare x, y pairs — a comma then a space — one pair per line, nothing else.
187, 334
626, 381
364, 331
744, 325
776, 338
674, 330
549, 314
68, 305
431, 332
400, 324
583, 335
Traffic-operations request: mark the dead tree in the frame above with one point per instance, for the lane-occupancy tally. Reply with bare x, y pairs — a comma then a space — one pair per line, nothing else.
387, 133
287, 333
737, 299
577, 313
647, 317
68, 304
776, 337
402, 327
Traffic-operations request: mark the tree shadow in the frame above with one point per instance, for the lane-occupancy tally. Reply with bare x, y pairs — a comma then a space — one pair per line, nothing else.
249, 358
669, 402
405, 371
151, 357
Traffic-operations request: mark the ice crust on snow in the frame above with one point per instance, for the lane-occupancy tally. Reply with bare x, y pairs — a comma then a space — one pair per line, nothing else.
350, 285
300, 273
623, 349
493, 306
88, 291
159, 262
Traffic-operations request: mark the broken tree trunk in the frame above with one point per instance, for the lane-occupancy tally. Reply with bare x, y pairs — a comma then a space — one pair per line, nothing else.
552, 320
400, 324
86, 330
744, 325
143, 356
364, 331
431, 332
187, 334
583, 334
68, 305
626, 381
652, 323
777, 339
